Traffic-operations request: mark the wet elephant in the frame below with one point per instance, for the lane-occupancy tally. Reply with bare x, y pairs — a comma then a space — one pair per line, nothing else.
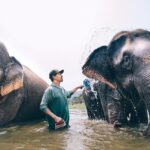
21, 90
115, 107
109, 105
93, 105
127, 64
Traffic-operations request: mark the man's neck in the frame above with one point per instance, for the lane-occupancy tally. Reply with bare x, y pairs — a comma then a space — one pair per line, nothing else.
56, 83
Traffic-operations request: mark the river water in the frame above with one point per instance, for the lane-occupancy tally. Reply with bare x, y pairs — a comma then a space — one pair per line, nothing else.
82, 135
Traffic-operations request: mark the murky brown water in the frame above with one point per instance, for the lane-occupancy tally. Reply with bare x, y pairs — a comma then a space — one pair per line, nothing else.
82, 135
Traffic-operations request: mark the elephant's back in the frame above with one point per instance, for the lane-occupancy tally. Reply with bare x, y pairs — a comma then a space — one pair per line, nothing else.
33, 81
34, 88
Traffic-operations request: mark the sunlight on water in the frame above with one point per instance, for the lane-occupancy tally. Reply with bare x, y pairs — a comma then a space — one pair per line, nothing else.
82, 135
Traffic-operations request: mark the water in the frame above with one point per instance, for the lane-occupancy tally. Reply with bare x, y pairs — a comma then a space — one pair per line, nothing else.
82, 135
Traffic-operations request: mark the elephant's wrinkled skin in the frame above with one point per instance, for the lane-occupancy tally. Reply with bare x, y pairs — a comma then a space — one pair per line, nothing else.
117, 110
21, 91
124, 65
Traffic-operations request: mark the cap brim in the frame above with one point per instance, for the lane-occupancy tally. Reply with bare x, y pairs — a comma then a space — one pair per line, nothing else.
61, 71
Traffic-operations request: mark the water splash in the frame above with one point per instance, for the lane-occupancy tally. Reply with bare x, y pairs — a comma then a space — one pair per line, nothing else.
99, 37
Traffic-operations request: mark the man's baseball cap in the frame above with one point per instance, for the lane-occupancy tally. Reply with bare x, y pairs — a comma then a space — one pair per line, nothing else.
54, 72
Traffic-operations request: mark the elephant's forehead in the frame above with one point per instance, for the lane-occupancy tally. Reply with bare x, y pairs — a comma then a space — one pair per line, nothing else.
141, 47
138, 47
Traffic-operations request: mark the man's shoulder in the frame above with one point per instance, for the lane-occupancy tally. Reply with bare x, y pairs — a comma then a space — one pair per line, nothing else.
49, 89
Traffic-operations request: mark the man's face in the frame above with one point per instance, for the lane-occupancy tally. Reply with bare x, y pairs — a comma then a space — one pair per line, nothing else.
58, 77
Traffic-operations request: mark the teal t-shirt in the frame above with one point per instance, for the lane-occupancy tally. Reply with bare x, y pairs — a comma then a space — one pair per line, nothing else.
55, 98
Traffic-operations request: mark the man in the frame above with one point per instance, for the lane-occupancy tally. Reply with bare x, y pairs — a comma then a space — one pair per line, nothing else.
54, 102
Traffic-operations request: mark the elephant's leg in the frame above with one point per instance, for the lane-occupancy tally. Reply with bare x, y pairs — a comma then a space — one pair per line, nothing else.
115, 106
112, 106
96, 106
100, 112
100, 109
147, 131
101, 100
115, 112
89, 113
112, 112
133, 118
121, 109
131, 113
145, 96
142, 113
87, 101
102, 94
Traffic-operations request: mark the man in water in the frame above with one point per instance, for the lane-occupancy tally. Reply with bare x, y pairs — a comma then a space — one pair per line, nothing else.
54, 102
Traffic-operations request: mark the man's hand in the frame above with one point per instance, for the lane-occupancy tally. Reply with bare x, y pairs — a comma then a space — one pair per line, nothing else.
57, 119
51, 114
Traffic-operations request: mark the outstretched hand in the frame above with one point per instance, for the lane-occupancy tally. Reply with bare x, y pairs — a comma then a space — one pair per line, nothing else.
79, 87
75, 89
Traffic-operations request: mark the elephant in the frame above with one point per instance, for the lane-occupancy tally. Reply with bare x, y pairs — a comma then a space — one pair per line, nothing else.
109, 105
93, 105
125, 65
21, 91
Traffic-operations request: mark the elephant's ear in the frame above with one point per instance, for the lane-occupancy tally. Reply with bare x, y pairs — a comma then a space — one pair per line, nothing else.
14, 70
13, 77
16, 61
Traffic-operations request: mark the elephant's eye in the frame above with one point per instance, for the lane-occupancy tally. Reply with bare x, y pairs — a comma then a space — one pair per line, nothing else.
126, 56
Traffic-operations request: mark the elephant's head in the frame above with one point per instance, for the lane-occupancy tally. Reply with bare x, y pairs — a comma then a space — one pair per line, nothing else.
11, 83
97, 66
124, 57
130, 57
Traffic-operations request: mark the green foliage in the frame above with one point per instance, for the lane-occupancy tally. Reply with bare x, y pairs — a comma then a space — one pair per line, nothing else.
77, 102
80, 106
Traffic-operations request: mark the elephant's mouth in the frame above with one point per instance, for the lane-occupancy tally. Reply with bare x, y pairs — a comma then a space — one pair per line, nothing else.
95, 75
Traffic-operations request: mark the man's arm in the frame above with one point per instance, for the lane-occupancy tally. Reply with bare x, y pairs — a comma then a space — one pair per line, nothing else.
75, 89
48, 112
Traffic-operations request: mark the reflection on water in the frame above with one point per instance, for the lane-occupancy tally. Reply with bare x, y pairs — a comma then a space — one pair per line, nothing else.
82, 135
